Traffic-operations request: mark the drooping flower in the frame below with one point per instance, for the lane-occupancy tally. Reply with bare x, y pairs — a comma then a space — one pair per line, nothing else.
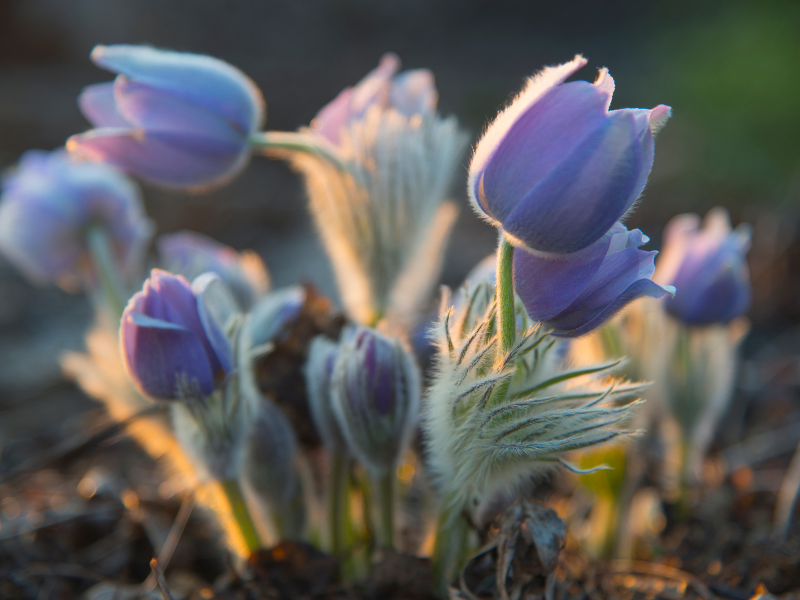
171, 342
192, 254
575, 293
556, 169
382, 208
375, 391
47, 208
708, 266
172, 118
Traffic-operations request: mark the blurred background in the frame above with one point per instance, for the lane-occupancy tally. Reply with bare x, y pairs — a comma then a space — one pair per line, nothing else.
730, 70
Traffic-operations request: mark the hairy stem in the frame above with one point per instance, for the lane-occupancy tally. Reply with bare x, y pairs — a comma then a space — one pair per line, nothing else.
384, 491
338, 505
506, 315
233, 492
450, 545
296, 142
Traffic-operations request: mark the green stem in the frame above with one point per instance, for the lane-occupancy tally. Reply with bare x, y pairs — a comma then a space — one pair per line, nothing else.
384, 490
506, 314
296, 142
450, 545
106, 270
338, 505
241, 515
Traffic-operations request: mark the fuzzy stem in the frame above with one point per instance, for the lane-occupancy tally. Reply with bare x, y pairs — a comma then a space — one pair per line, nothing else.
296, 142
506, 314
384, 491
106, 270
233, 492
451, 540
338, 505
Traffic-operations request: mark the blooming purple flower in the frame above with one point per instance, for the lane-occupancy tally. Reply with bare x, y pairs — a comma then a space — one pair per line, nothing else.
708, 266
410, 93
375, 391
171, 343
49, 203
575, 293
556, 169
172, 118
192, 254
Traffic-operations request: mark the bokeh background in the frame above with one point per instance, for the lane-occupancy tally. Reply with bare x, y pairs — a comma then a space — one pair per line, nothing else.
729, 69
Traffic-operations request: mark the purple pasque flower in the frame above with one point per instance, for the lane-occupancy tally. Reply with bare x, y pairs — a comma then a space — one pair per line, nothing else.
191, 254
575, 293
171, 343
318, 371
172, 118
708, 266
556, 169
410, 93
47, 207
375, 391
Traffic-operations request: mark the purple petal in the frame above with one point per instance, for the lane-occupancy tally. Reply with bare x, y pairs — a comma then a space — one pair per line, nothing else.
414, 92
374, 87
98, 105
215, 306
152, 109
333, 116
549, 283
156, 352
167, 159
623, 277
542, 138
582, 198
200, 79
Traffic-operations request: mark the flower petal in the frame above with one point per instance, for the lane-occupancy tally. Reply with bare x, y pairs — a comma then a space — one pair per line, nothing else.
98, 105
216, 309
414, 92
200, 79
156, 352
164, 158
582, 198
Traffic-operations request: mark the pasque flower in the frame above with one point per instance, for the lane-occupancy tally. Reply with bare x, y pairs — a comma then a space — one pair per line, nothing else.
172, 118
171, 344
575, 293
556, 169
708, 266
375, 392
380, 207
192, 254
49, 204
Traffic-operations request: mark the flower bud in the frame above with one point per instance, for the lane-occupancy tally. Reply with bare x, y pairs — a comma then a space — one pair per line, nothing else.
575, 293
50, 202
172, 337
172, 118
375, 392
556, 169
191, 254
708, 266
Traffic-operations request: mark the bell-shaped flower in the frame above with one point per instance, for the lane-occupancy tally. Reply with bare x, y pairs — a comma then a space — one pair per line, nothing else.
192, 254
172, 341
172, 118
48, 205
375, 391
708, 266
575, 293
556, 169
381, 207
